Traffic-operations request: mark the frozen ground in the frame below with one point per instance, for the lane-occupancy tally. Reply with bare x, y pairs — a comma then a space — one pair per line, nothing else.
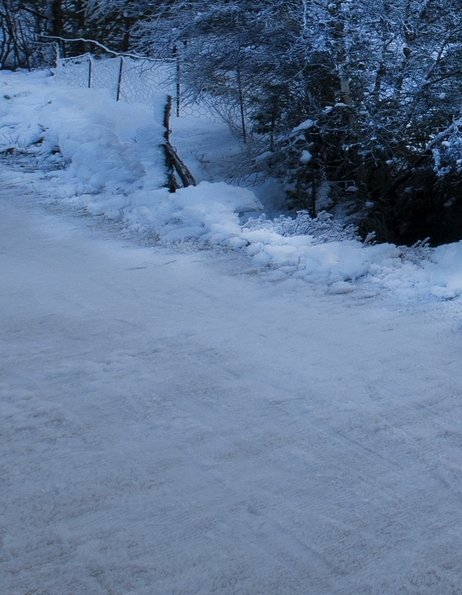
177, 420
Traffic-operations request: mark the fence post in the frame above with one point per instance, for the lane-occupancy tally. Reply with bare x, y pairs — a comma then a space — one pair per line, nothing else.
119, 78
90, 67
172, 182
167, 112
176, 55
241, 103
172, 160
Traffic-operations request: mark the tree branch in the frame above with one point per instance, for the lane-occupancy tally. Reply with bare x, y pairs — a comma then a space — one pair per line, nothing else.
100, 45
442, 78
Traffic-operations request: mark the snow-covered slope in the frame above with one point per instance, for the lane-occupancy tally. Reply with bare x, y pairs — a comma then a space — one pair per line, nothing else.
105, 157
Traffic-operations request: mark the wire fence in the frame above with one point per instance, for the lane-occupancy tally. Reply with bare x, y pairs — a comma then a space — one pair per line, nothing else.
134, 80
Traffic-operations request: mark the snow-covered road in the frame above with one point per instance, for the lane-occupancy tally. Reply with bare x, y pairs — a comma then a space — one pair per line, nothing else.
171, 424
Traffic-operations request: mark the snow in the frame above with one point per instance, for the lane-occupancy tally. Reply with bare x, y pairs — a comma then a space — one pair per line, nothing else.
277, 413
306, 125
305, 157
110, 163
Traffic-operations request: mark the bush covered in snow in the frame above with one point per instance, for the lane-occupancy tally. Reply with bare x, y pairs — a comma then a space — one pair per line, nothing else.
323, 228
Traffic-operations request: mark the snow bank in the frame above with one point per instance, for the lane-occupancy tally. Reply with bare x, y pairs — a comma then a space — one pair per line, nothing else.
81, 147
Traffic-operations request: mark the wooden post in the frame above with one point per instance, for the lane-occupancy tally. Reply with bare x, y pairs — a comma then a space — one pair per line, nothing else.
172, 160
119, 78
172, 182
312, 209
241, 103
176, 54
90, 67
167, 113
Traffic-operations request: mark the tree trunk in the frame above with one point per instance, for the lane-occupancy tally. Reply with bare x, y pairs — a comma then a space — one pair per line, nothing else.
54, 15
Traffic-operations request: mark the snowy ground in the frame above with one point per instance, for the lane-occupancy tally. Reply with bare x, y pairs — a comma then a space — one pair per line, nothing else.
173, 425
183, 421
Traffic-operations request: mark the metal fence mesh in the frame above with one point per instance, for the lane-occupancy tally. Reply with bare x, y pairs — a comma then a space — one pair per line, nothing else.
133, 80
74, 71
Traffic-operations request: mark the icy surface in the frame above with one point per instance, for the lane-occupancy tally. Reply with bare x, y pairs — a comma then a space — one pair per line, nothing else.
171, 424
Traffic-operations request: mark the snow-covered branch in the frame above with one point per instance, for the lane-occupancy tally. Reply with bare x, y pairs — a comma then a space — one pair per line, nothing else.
99, 45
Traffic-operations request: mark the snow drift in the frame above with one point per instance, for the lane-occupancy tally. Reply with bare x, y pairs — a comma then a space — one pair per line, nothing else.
106, 158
